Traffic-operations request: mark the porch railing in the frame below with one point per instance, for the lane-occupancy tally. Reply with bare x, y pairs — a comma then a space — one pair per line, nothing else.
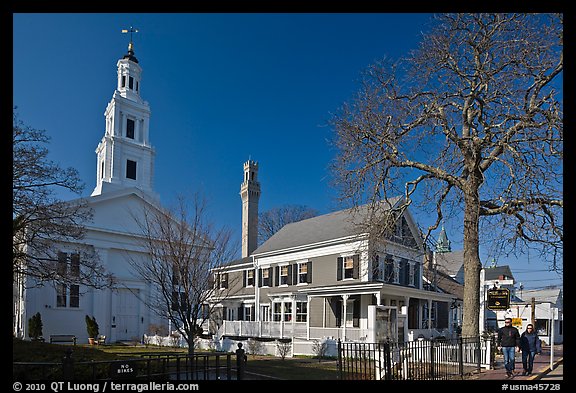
289, 330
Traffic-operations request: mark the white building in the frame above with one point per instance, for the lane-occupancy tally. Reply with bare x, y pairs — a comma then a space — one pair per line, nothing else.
541, 307
124, 187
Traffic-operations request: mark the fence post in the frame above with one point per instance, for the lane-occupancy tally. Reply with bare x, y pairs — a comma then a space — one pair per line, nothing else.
461, 356
432, 366
479, 353
241, 360
68, 365
340, 358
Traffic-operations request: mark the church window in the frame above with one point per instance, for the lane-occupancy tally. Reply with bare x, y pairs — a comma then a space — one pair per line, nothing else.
131, 82
130, 128
68, 267
60, 295
74, 296
123, 80
102, 170
136, 85
131, 169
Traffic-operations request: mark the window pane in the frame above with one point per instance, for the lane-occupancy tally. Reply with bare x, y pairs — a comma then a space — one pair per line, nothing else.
74, 296
62, 264
131, 82
130, 128
303, 268
265, 273
131, 169
75, 265
61, 295
284, 270
348, 263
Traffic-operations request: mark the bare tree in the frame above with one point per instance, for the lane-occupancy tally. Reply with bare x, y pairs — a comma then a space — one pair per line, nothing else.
468, 125
41, 222
182, 248
271, 221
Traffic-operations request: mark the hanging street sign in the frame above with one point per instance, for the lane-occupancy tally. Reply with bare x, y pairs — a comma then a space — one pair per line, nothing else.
498, 299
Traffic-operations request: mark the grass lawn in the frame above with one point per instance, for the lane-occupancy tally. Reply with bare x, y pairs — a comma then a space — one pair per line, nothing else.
297, 368
258, 367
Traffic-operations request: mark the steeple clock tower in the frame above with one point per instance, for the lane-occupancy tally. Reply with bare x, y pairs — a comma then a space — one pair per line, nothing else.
125, 157
250, 193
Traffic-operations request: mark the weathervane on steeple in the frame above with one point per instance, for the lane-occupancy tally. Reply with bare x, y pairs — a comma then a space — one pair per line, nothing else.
130, 54
131, 31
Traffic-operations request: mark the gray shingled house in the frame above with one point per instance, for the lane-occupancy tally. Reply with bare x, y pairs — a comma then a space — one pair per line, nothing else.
316, 279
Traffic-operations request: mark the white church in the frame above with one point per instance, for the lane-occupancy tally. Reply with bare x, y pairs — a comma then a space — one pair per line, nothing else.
124, 186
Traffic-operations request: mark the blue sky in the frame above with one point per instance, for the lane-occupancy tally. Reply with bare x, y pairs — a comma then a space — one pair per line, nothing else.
222, 88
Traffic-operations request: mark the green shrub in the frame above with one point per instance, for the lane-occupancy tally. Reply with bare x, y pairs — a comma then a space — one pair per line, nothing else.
92, 327
35, 326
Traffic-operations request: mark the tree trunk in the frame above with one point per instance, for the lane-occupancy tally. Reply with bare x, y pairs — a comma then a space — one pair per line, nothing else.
472, 265
191, 344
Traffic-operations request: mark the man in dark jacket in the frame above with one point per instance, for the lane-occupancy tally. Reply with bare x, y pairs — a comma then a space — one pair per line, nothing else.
530, 345
508, 341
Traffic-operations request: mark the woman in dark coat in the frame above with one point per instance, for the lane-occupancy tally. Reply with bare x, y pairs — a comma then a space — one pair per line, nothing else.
530, 345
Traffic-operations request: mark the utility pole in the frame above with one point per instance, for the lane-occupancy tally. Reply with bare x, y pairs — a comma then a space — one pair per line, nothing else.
533, 312
552, 338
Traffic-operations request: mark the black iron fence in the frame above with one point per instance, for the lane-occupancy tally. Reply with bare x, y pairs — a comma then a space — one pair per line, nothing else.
415, 360
148, 366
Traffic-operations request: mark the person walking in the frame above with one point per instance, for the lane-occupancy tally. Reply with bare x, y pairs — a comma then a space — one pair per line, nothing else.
508, 342
530, 345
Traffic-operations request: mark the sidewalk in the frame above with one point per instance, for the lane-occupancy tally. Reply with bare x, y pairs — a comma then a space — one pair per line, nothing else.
541, 366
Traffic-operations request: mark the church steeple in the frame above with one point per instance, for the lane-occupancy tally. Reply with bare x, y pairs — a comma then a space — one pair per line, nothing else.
443, 244
125, 157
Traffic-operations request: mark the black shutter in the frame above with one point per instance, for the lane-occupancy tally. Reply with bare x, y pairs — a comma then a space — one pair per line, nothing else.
356, 312
356, 270
224, 313
240, 313
259, 277
289, 278
309, 272
375, 267
402, 272
339, 268
277, 275
244, 275
336, 305
295, 274
226, 281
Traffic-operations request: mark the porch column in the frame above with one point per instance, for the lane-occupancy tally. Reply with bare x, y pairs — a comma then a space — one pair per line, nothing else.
343, 318
307, 317
293, 316
281, 319
406, 321
378, 299
430, 315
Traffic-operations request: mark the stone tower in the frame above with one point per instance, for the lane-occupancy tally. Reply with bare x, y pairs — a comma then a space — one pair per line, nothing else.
250, 193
